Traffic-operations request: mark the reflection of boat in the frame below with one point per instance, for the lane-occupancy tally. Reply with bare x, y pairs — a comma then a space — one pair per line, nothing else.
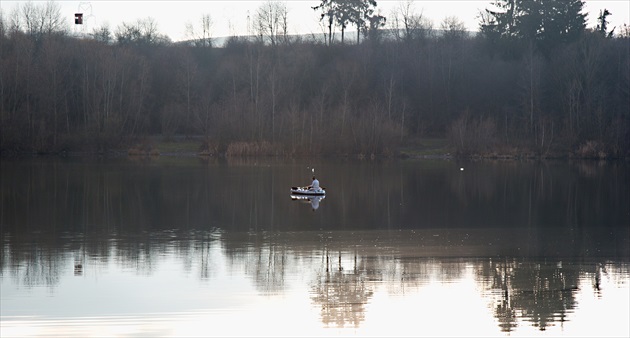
308, 191
313, 200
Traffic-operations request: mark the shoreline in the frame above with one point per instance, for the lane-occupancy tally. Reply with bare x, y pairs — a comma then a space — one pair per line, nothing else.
417, 149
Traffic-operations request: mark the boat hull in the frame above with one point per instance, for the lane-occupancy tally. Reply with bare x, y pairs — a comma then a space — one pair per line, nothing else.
307, 192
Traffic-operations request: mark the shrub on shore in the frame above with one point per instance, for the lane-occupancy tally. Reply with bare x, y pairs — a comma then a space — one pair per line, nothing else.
253, 149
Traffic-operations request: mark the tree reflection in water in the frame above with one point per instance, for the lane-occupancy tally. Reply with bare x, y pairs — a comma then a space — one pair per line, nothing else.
353, 265
343, 270
540, 292
341, 294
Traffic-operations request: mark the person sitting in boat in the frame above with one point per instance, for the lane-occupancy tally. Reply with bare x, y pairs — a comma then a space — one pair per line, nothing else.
314, 185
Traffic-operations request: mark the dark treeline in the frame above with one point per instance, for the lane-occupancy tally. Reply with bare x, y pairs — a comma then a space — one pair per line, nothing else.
507, 90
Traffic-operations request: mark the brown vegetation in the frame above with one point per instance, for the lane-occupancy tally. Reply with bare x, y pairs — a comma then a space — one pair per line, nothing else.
144, 148
253, 149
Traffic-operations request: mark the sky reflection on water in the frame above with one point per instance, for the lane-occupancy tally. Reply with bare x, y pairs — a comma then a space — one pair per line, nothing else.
282, 284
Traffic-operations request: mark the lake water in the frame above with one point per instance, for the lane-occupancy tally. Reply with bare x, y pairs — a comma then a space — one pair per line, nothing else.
185, 246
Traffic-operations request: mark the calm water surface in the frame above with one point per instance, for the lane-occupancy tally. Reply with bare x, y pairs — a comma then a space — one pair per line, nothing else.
192, 247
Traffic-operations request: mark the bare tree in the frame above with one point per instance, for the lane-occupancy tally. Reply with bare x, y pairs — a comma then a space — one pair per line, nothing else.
409, 25
201, 36
51, 18
37, 20
187, 71
271, 21
143, 31
14, 23
452, 28
102, 34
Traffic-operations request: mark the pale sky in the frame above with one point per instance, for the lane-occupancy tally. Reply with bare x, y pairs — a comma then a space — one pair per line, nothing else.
230, 17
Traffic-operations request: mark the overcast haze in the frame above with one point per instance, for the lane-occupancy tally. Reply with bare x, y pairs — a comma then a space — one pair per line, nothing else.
230, 17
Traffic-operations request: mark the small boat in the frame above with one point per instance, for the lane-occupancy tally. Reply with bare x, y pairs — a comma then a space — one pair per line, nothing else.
308, 191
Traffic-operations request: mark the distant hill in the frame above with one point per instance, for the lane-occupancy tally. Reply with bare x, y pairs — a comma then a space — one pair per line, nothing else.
350, 37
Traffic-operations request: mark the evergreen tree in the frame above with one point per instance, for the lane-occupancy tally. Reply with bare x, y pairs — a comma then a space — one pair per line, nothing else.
602, 24
547, 23
360, 13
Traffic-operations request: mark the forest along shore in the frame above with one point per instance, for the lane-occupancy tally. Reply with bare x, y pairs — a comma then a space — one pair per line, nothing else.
502, 92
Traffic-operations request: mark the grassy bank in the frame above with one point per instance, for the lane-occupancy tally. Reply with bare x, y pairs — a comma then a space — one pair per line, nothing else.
427, 148
419, 148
